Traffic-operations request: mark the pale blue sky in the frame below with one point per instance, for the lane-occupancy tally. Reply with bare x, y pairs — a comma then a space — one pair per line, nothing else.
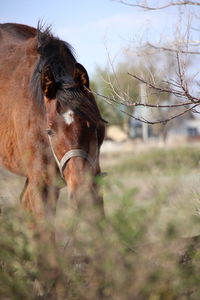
90, 26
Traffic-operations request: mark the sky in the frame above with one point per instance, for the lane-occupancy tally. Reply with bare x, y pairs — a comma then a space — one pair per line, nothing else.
95, 29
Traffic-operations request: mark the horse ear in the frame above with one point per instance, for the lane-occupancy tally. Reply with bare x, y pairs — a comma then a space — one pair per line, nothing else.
48, 83
80, 75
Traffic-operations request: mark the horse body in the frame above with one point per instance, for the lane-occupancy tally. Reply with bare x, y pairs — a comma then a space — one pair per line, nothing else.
43, 90
14, 98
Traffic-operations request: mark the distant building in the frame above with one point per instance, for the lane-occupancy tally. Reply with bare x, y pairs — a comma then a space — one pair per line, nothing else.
185, 127
136, 131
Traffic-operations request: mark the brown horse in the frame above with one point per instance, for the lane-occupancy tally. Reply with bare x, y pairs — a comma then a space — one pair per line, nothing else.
49, 121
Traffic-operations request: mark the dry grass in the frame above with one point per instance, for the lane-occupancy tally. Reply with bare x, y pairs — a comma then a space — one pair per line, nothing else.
152, 205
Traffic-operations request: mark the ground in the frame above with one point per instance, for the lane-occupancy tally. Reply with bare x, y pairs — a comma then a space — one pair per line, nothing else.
144, 249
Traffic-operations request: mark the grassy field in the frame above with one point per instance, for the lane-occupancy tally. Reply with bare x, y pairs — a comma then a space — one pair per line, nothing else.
165, 178
143, 249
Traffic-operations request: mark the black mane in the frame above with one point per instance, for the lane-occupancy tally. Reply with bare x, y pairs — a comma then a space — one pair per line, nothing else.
59, 55
54, 53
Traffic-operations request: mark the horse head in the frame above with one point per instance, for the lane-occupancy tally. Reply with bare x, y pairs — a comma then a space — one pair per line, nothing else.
75, 130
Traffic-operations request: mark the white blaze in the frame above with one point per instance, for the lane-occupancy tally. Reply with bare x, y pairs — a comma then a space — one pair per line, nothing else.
69, 117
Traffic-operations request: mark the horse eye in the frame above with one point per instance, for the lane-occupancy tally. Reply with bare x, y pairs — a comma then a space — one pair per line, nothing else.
50, 132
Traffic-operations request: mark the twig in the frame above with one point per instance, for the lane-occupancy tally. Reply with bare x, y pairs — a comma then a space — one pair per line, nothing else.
172, 50
184, 83
160, 121
128, 103
177, 93
146, 7
152, 106
162, 90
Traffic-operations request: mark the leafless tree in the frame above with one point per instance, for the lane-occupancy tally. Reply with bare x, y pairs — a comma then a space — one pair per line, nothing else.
184, 85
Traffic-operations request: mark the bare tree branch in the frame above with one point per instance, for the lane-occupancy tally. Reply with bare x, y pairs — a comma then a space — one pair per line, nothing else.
169, 4
177, 93
141, 119
173, 50
183, 81
130, 103
161, 121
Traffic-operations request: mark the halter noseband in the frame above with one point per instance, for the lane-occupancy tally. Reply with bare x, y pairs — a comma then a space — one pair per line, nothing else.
73, 153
